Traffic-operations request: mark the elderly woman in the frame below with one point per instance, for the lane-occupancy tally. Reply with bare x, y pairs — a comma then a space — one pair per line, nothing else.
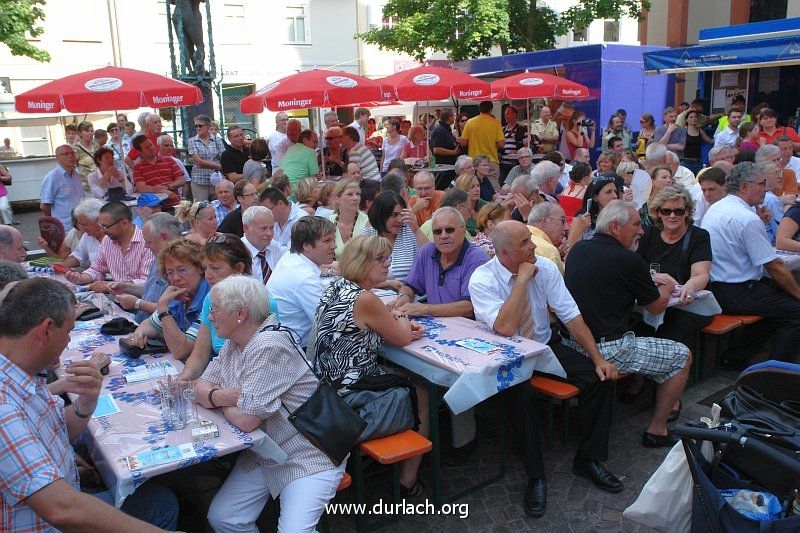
390, 218
85, 149
333, 153
661, 179
349, 220
417, 147
352, 323
177, 315
223, 255
571, 198
306, 191
84, 251
483, 167
600, 192
257, 380
488, 217
201, 218
107, 182
206, 150
683, 252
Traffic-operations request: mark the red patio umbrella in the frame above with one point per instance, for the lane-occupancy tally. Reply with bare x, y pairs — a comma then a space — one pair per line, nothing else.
435, 83
316, 88
107, 89
538, 85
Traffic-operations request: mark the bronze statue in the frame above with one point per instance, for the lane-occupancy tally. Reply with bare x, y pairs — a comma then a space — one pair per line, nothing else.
188, 22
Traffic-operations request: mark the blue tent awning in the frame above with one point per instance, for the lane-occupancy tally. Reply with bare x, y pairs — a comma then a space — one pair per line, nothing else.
725, 56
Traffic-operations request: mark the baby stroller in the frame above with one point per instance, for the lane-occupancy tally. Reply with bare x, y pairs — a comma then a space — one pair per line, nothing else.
756, 447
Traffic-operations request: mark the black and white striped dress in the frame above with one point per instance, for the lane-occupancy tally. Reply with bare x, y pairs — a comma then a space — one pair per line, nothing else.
404, 252
341, 350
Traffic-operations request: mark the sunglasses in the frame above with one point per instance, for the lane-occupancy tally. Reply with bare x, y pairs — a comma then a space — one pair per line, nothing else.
679, 212
200, 206
221, 238
198, 126
449, 230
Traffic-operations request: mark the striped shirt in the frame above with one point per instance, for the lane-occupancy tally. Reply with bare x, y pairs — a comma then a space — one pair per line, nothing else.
221, 210
187, 318
163, 172
362, 156
34, 446
132, 264
272, 380
210, 150
404, 252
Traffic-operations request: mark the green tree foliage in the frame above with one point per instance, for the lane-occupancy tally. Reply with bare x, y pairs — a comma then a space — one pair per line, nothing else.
18, 19
470, 28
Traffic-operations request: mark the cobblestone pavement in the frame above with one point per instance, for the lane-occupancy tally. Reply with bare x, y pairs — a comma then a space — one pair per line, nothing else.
573, 504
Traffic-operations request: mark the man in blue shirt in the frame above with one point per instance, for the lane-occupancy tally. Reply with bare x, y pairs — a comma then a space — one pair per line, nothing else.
441, 272
62, 188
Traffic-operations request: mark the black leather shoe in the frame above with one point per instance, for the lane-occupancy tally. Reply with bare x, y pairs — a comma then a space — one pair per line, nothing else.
460, 456
658, 441
675, 413
597, 473
535, 500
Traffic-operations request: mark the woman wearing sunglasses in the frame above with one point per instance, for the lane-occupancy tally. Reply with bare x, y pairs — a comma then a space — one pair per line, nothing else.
201, 217
223, 255
683, 252
177, 315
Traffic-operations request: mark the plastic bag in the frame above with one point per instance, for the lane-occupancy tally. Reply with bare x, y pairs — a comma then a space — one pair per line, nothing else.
753, 505
665, 503
216, 178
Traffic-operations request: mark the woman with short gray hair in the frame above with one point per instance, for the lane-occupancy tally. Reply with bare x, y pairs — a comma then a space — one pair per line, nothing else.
257, 379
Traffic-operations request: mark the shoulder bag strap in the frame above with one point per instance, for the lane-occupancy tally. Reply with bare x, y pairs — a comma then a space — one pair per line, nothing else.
684, 249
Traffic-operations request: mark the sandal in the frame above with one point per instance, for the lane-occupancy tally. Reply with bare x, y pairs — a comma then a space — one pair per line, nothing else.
414, 491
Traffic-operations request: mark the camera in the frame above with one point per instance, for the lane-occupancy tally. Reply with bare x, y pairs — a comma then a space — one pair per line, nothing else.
586, 122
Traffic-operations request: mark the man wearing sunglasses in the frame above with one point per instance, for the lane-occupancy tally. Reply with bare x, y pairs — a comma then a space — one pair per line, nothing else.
123, 254
742, 255
441, 272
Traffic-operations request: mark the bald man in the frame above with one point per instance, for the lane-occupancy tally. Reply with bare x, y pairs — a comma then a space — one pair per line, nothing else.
11, 246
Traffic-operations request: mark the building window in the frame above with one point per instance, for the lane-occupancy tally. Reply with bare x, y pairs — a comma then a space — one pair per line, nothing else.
388, 22
579, 35
611, 31
297, 24
234, 21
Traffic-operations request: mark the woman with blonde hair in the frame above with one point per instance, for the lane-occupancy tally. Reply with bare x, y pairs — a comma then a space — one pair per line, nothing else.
469, 184
306, 191
661, 177
352, 323
488, 217
349, 220
201, 218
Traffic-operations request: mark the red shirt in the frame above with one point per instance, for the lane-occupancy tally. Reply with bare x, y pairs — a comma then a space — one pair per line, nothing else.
134, 154
163, 172
780, 130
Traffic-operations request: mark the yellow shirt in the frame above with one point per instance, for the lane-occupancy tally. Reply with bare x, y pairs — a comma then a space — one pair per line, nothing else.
545, 248
483, 133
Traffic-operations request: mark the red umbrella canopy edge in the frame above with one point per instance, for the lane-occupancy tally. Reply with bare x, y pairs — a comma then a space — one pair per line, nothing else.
436, 83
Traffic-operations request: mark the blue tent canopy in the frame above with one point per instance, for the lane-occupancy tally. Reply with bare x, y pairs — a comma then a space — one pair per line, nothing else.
725, 56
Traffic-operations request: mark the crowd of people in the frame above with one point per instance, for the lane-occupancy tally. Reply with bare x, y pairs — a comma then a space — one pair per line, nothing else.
254, 271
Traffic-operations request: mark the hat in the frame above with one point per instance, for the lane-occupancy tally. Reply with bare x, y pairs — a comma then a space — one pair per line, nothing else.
148, 199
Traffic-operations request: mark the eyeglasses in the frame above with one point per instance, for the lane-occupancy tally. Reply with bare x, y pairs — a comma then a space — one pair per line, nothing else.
449, 230
198, 126
221, 238
200, 206
106, 228
112, 130
180, 271
679, 212
763, 183
383, 259
562, 219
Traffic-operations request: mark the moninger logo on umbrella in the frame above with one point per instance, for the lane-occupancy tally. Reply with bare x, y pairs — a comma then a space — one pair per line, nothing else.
342, 81
469, 94
426, 79
570, 92
174, 100
103, 85
531, 81
43, 106
296, 102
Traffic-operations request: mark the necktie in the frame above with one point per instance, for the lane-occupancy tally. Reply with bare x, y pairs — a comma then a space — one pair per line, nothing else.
265, 270
526, 323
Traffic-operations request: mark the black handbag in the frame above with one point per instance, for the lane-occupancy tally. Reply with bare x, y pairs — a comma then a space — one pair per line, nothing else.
152, 346
325, 419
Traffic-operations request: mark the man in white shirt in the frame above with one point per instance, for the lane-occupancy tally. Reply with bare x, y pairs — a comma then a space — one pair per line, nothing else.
682, 175
86, 214
730, 134
787, 155
296, 285
277, 137
742, 254
286, 213
293, 129
361, 117
511, 294
259, 229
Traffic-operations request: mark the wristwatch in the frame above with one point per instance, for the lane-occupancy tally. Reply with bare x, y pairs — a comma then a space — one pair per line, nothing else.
163, 315
138, 302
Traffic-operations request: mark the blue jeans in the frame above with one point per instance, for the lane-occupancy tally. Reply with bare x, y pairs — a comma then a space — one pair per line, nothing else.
151, 503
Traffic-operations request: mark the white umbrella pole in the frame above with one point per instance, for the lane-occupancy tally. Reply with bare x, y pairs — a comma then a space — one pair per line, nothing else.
321, 135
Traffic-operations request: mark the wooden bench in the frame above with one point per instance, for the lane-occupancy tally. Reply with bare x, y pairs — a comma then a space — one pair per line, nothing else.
556, 390
721, 326
391, 450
